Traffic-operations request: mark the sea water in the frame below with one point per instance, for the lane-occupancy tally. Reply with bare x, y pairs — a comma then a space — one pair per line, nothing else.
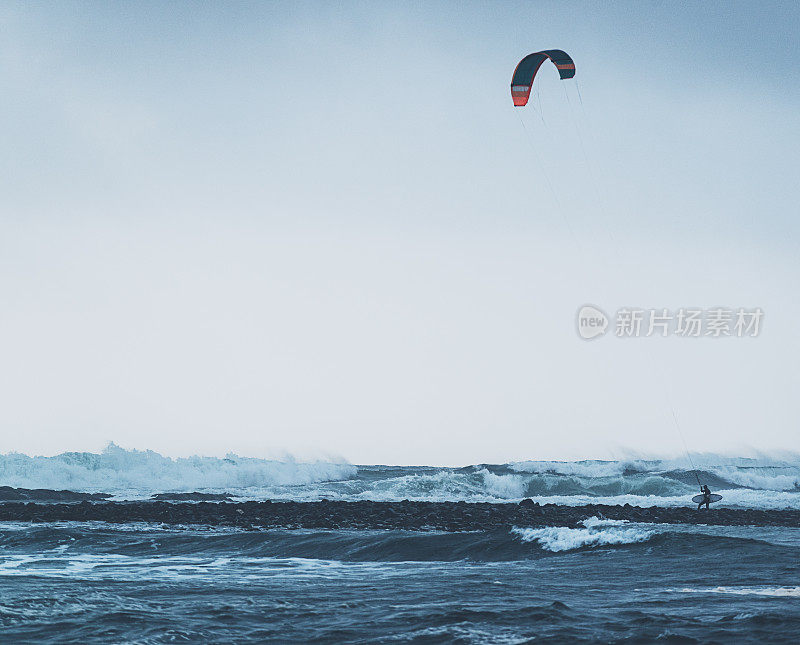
598, 582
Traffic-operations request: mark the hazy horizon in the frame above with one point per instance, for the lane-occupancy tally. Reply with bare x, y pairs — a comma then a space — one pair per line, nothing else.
324, 230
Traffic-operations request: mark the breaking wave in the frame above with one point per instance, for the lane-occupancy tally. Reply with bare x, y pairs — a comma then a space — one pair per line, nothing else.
596, 532
118, 471
757, 473
41, 545
129, 474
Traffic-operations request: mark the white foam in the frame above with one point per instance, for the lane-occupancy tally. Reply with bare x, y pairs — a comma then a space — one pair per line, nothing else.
763, 473
132, 474
117, 470
559, 538
776, 592
503, 486
435, 486
577, 468
596, 522
442, 485
783, 478
733, 498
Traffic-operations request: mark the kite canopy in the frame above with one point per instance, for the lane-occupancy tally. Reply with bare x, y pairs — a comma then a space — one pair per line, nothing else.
522, 81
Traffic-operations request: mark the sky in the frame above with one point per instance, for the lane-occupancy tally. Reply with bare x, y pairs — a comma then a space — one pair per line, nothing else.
323, 230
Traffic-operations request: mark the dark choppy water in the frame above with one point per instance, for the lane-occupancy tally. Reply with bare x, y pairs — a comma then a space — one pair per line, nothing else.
605, 582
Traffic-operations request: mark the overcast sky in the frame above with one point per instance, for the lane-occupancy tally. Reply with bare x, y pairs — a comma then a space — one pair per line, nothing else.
323, 228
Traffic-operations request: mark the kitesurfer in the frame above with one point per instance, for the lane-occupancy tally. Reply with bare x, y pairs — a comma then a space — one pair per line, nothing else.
706, 497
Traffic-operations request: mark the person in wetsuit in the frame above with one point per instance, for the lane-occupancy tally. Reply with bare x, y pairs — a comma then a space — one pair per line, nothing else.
706, 497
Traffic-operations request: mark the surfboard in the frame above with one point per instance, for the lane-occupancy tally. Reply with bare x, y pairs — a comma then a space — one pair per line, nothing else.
712, 498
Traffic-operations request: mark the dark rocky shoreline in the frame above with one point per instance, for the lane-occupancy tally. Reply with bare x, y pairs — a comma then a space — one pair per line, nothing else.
9, 494
447, 516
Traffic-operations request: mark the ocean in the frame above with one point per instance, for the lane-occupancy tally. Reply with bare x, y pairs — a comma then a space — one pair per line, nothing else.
597, 580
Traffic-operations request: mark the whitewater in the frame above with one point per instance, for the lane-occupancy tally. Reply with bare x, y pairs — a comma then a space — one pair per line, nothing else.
755, 482
602, 581
271, 569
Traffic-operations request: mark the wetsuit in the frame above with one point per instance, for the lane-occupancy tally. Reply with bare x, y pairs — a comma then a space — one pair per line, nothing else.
706, 497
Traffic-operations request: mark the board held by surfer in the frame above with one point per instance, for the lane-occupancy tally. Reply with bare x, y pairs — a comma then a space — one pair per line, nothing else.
706, 497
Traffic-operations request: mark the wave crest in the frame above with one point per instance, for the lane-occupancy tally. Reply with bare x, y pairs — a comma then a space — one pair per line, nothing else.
117, 470
598, 532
